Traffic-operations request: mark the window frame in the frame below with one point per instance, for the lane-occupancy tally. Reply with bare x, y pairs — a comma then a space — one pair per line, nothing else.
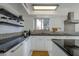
34, 23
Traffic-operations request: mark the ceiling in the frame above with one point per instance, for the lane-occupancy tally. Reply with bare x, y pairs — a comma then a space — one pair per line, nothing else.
62, 10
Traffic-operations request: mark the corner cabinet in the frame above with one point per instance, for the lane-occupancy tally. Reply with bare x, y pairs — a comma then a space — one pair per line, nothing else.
22, 49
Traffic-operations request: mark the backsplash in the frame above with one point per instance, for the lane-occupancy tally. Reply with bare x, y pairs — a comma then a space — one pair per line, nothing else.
7, 35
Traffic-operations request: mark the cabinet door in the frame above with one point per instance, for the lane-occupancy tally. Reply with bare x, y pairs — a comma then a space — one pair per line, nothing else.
22, 49
27, 46
16, 51
39, 43
57, 51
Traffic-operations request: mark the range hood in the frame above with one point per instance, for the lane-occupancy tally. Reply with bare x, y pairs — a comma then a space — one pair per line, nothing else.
70, 18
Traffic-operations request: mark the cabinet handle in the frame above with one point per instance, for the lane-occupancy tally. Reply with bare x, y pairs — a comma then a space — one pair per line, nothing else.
16, 48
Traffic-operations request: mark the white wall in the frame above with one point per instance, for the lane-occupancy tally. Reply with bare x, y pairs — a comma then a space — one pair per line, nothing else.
54, 22
28, 23
76, 17
57, 22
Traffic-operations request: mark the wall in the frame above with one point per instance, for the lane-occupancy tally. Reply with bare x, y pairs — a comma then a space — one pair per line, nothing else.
57, 22
28, 22
54, 22
76, 17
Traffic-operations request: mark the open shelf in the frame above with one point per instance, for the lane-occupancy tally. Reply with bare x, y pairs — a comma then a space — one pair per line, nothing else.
7, 13
7, 23
11, 15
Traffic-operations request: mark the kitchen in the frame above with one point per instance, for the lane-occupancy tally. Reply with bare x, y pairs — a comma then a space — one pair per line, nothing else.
29, 27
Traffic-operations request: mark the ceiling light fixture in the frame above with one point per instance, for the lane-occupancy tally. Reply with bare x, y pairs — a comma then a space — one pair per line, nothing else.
45, 7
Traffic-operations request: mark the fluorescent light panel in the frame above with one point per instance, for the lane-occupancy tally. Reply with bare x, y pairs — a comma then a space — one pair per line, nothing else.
45, 7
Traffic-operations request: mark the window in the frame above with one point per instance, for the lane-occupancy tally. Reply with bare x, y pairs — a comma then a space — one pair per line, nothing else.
41, 24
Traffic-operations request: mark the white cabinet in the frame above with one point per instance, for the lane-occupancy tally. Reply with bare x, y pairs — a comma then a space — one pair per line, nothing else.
44, 43
16, 51
22, 49
39, 43
27, 47
56, 51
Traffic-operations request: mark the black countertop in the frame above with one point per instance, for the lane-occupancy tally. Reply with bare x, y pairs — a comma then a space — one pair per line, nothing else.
54, 34
8, 43
68, 46
64, 49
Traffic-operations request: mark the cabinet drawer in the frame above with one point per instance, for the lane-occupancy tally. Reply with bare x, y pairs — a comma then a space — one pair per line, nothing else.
16, 51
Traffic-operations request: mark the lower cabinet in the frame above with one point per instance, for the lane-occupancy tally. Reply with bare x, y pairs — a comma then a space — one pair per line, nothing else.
56, 51
36, 43
27, 47
39, 43
22, 49
16, 51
